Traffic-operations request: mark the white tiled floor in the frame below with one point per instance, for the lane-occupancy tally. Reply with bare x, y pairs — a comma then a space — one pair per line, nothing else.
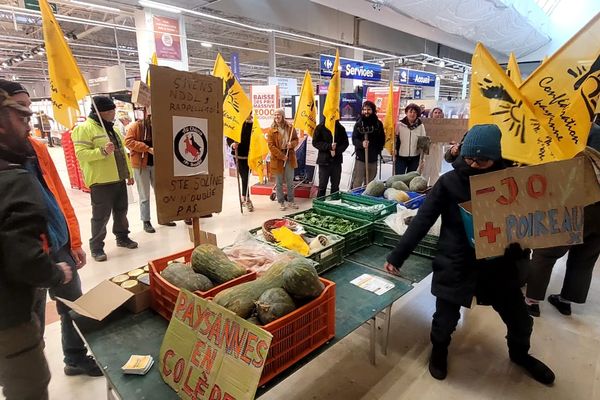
478, 361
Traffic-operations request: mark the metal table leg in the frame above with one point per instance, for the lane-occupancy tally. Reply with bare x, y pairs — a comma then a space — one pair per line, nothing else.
386, 335
373, 340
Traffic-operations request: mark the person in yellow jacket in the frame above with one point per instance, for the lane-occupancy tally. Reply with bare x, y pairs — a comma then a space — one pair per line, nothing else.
106, 171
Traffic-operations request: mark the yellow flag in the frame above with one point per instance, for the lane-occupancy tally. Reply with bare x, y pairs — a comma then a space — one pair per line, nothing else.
236, 105
66, 82
564, 90
331, 109
495, 99
153, 61
306, 115
513, 71
389, 122
258, 149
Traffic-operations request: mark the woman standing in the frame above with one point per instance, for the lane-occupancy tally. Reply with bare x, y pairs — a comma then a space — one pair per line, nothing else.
282, 140
408, 131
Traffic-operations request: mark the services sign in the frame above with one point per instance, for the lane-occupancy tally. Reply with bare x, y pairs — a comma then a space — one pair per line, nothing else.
351, 69
187, 121
416, 78
537, 206
208, 352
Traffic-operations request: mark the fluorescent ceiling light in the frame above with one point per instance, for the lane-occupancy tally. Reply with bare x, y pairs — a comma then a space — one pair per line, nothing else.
206, 44
160, 6
99, 7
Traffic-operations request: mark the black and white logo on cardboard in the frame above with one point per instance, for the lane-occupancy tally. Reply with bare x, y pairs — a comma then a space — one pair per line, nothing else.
190, 146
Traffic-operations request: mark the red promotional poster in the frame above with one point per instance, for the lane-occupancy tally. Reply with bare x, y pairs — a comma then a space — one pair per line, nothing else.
379, 96
166, 38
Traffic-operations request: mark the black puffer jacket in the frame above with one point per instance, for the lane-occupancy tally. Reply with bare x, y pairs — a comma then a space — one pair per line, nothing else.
376, 137
457, 275
244, 145
23, 263
322, 141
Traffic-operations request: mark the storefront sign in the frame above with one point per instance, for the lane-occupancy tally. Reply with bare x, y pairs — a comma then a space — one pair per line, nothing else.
187, 116
537, 206
379, 95
350, 106
416, 78
351, 69
265, 100
167, 39
208, 352
107, 80
287, 86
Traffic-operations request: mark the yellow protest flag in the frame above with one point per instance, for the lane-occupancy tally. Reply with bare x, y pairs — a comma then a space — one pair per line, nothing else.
495, 99
306, 114
513, 71
389, 122
153, 61
67, 85
331, 109
258, 149
236, 104
564, 91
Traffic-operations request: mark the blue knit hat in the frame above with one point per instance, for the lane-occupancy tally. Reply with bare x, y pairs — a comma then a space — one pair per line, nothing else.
482, 141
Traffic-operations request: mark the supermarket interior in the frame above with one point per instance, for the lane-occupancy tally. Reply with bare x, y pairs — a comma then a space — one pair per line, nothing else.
299, 199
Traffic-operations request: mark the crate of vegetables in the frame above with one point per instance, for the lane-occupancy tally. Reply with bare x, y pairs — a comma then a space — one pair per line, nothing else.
291, 302
383, 235
361, 207
325, 248
356, 232
205, 271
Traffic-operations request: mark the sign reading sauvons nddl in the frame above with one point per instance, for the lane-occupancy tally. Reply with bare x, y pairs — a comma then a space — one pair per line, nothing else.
187, 127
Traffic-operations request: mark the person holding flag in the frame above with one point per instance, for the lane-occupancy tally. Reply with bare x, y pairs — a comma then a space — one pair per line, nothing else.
282, 140
240, 151
331, 155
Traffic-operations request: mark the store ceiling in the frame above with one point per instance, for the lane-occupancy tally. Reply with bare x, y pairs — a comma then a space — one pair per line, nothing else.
95, 45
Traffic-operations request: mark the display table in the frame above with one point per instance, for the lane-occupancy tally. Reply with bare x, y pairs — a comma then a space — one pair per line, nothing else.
122, 334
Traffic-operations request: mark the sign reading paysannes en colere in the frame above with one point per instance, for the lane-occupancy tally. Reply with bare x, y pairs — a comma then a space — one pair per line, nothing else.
351, 69
416, 78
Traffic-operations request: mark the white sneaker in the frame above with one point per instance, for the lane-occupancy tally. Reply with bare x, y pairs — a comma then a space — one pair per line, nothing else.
249, 206
282, 207
293, 205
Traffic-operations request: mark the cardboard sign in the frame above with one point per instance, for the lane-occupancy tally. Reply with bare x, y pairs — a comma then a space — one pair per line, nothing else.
208, 352
536, 206
445, 130
140, 94
99, 302
187, 127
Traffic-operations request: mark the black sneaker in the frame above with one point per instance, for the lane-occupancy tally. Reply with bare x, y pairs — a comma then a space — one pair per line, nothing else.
99, 255
87, 367
169, 224
561, 306
148, 227
537, 369
127, 243
533, 310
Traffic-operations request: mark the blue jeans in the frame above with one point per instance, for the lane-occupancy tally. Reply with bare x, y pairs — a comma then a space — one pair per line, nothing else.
74, 351
144, 178
289, 179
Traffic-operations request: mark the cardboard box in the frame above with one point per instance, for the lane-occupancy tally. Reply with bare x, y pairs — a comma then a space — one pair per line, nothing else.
107, 296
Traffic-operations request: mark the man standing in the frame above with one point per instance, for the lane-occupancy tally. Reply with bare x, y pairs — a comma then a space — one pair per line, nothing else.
368, 136
24, 263
331, 155
63, 227
106, 168
139, 143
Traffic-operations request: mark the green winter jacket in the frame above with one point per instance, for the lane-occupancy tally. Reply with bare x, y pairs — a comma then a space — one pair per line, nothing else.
89, 138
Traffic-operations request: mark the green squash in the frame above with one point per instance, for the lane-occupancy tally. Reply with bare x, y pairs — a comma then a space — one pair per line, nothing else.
406, 178
209, 260
184, 277
374, 188
273, 304
301, 280
418, 184
399, 185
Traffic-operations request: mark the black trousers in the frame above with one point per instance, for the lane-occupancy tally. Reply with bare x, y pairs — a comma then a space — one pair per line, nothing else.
406, 164
107, 199
244, 172
510, 305
331, 171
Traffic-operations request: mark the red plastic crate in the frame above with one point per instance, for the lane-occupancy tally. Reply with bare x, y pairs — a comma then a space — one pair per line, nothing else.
300, 332
164, 294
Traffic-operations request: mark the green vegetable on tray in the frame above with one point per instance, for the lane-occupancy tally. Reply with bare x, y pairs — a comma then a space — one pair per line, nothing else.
329, 222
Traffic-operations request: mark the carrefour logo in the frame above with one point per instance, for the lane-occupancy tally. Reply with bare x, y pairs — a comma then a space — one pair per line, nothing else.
328, 63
